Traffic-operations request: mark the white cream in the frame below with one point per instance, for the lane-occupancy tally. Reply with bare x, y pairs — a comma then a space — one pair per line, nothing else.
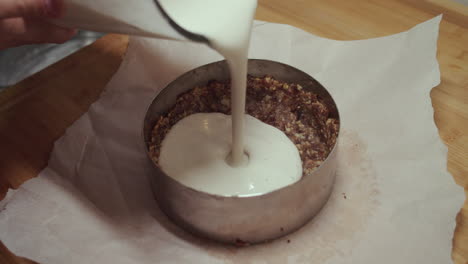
227, 25
198, 150
194, 152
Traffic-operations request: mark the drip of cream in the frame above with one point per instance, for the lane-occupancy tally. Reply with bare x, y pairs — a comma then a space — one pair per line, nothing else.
194, 151
209, 152
227, 24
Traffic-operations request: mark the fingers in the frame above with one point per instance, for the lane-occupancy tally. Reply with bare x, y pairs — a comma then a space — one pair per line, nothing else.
31, 8
22, 22
19, 31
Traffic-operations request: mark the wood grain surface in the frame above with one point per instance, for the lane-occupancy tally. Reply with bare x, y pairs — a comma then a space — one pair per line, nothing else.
35, 112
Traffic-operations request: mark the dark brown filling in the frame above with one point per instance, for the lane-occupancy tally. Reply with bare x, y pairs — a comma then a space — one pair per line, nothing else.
300, 114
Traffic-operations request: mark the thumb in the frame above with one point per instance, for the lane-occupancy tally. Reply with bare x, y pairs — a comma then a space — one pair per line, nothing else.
31, 8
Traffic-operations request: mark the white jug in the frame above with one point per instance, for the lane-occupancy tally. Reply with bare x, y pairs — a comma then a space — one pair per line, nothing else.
132, 17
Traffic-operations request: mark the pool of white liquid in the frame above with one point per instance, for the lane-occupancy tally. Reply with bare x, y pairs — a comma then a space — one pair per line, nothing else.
195, 150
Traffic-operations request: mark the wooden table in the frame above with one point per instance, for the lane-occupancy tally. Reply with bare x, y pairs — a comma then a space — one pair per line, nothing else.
34, 113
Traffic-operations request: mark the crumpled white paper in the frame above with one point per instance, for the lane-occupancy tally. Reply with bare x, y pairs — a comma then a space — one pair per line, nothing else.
393, 201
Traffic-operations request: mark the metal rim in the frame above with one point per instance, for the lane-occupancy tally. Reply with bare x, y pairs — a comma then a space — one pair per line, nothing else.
172, 83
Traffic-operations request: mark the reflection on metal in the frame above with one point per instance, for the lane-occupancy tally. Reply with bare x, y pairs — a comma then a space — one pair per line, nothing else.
19, 63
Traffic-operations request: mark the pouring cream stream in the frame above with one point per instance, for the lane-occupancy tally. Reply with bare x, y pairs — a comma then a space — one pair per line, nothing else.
198, 150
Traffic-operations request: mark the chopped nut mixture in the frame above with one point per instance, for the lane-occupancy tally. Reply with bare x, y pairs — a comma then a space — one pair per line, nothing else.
300, 114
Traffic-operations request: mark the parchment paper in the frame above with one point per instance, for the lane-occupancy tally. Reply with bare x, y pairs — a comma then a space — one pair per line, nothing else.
393, 201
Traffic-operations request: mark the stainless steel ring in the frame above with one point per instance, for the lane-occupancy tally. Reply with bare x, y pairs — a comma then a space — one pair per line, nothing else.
252, 219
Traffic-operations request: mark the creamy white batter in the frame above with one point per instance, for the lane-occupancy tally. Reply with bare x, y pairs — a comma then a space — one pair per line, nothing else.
227, 25
194, 153
197, 151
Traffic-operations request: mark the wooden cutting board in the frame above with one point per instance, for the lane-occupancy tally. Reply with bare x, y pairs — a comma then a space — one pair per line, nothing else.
36, 112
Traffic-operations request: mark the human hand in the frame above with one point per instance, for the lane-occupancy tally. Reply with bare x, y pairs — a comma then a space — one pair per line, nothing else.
24, 22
